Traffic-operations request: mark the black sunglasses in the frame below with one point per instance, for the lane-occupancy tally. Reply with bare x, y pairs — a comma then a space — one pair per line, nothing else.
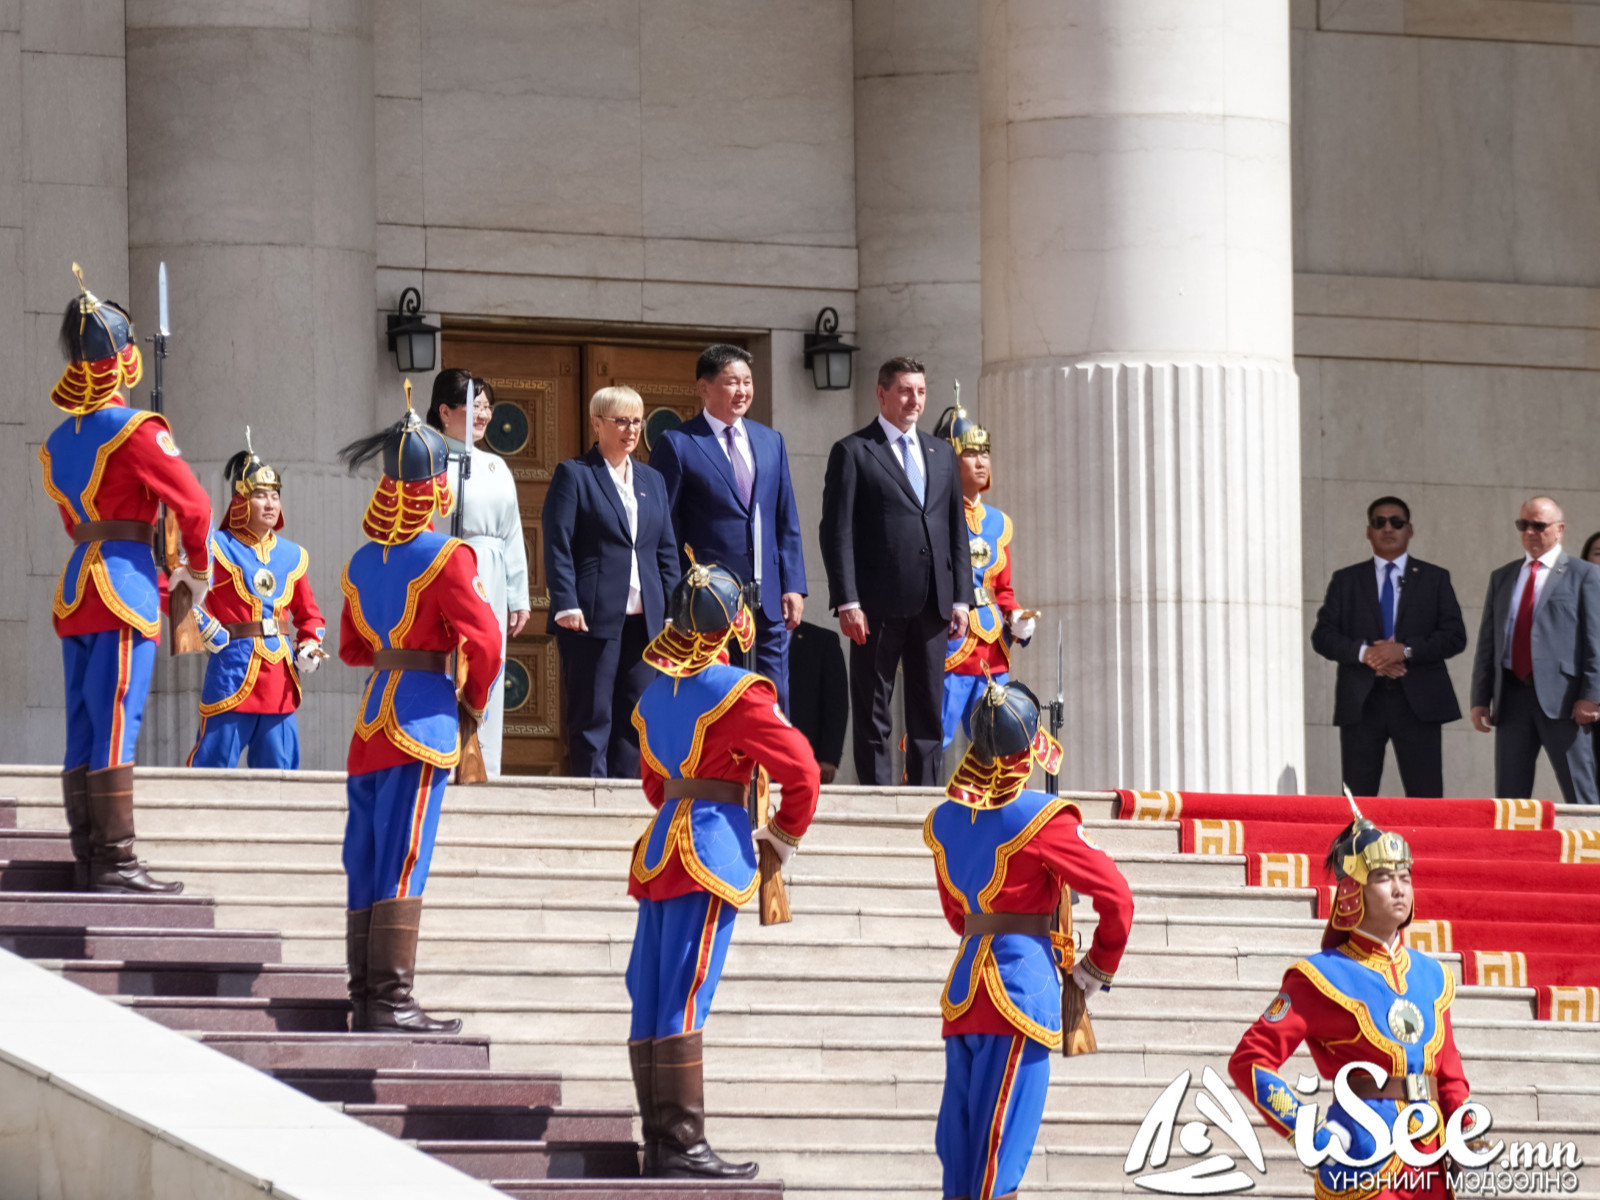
1391, 522
1536, 526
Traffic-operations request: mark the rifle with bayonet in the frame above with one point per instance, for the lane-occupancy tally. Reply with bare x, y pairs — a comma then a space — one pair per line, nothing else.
184, 630
1077, 1031
773, 901
470, 768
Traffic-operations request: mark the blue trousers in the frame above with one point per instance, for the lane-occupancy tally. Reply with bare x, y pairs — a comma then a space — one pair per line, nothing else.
961, 694
389, 830
679, 946
994, 1093
107, 681
273, 740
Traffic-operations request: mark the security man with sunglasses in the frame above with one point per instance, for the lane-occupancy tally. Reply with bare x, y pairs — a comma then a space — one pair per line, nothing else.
1536, 674
1390, 622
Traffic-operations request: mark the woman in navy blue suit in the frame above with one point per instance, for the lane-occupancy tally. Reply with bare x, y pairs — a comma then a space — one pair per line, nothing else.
610, 563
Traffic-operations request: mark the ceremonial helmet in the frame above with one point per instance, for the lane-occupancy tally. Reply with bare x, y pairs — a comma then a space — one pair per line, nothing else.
1007, 740
708, 606
245, 473
415, 483
98, 343
963, 433
1360, 849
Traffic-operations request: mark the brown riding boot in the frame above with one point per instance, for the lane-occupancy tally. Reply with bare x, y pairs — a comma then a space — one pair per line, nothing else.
356, 924
113, 867
75, 799
680, 1102
391, 969
641, 1058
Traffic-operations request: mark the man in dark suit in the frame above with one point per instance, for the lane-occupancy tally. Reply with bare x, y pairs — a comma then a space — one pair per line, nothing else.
1536, 673
894, 540
728, 487
819, 694
610, 562
1390, 622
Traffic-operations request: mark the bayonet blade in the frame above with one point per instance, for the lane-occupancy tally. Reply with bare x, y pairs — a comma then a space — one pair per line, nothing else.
161, 291
1061, 682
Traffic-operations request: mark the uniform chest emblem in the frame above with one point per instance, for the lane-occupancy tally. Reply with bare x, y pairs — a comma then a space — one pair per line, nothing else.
982, 553
264, 581
1405, 1021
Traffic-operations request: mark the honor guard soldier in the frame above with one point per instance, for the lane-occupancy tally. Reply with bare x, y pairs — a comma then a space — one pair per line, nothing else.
704, 727
251, 688
410, 597
996, 620
1003, 856
1364, 998
109, 468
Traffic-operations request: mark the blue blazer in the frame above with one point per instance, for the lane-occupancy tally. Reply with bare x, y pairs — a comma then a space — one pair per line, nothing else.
587, 550
707, 514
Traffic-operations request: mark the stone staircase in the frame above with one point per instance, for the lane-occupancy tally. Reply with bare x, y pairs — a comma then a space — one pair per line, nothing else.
165, 958
823, 1053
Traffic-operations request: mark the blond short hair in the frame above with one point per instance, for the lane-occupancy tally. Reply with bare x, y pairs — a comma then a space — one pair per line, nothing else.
619, 401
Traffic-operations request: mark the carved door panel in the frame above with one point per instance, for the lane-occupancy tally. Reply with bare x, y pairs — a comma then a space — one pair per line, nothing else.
534, 426
664, 377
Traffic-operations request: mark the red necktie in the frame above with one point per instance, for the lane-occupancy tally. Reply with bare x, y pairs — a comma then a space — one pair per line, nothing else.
1522, 631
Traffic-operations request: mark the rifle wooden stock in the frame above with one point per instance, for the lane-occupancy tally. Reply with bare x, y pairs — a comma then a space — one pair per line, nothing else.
773, 898
1077, 1034
470, 768
182, 628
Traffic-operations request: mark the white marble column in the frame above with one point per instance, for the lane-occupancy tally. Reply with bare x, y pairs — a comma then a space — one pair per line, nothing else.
252, 173
1138, 377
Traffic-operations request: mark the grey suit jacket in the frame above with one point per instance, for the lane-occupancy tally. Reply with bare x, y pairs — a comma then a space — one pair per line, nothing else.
1566, 637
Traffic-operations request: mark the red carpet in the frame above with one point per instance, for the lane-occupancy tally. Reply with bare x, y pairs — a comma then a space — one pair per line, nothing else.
1496, 881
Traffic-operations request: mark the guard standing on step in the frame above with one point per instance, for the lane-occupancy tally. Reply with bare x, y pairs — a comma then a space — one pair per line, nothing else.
410, 597
1364, 998
704, 727
1003, 856
252, 688
109, 468
984, 651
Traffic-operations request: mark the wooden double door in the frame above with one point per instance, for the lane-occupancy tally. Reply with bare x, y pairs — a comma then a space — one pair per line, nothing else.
541, 392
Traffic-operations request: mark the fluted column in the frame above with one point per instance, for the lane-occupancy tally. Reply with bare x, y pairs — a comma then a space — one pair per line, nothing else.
252, 173
1138, 377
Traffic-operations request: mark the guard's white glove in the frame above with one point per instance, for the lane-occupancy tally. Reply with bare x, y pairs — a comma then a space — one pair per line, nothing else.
784, 849
1022, 627
308, 660
1086, 981
197, 587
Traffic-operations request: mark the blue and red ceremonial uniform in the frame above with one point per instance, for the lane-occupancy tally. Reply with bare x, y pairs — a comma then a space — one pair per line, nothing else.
987, 643
1002, 999
696, 863
422, 594
252, 689
115, 464
1361, 1001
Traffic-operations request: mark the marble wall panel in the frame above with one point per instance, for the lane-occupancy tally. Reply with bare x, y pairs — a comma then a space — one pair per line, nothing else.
534, 297
11, 174
398, 126
938, 323
74, 130
917, 178
1555, 158
341, 150
397, 48
73, 26
531, 116
761, 264
915, 37
743, 138
403, 246
69, 223
743, 307
15, 399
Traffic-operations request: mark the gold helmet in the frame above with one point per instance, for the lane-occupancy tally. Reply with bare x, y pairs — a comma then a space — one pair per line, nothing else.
1360, 849
245, 473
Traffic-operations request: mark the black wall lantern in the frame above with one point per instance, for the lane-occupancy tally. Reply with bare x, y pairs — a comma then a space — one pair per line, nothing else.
410, 337
827, 355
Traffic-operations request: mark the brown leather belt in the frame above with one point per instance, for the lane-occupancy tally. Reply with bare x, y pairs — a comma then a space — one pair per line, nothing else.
411, 660
252, 629
1407, 1089
979, 924
723, 791
114, 531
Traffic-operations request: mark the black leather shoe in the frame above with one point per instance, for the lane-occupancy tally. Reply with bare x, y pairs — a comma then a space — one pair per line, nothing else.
698, 1161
